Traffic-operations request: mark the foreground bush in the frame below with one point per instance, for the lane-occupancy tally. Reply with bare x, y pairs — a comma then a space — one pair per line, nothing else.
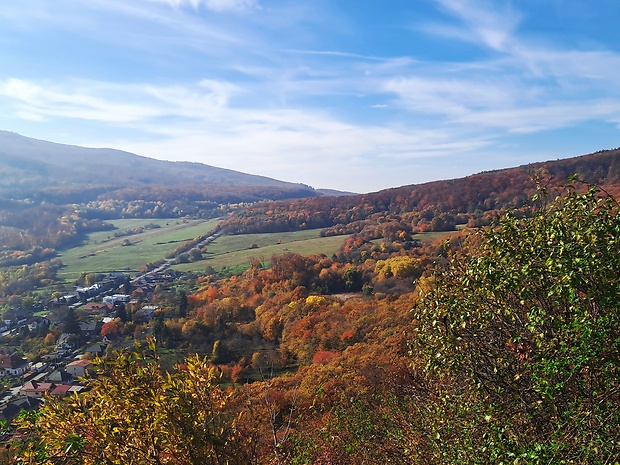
520, 340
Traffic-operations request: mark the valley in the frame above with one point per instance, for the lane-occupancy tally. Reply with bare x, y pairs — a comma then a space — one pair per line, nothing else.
289, 322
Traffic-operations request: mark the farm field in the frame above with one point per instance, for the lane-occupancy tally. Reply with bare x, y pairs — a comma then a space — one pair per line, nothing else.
235, 252
428, 237
112, 250
102, 251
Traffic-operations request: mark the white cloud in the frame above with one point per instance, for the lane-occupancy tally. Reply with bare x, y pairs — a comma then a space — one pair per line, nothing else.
453, 96
40, 101
552, 115
214, 5
106, 102
486, 23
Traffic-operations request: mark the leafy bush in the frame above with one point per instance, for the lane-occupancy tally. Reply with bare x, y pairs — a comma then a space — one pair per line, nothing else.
521, 340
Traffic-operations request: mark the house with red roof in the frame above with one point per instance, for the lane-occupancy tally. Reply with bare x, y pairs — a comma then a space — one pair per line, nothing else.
78, 368
37, 390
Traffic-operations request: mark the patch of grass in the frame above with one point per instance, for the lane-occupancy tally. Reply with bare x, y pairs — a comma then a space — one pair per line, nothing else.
429, 237
235, 252
102, 251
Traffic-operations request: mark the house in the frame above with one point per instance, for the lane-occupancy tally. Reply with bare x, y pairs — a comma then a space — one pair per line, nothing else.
14, 315
145, 314
37, 389
96, 307
37, 322
52, 358
78, 368
96, 349
66, 342
13, 364
59, 376
11, 409
60, 390
90, 328
116, 299
85, 293
64, 301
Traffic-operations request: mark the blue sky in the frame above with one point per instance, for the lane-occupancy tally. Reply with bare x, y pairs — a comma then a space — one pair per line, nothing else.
354, 95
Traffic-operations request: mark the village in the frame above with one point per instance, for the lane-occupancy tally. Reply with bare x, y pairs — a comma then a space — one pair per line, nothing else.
65, 369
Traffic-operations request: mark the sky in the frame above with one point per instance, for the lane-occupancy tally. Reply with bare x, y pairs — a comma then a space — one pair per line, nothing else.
354, 95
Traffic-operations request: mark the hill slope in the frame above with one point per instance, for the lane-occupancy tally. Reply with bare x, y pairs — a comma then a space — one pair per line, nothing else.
31, 164
447, 203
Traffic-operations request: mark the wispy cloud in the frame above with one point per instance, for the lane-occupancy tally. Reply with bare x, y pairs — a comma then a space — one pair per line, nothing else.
215, 5
523, 86
107, 102
491, 23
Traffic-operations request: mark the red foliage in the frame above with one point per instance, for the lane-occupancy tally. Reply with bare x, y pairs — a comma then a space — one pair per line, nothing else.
235, 375
110, 329
348, 334
323, 357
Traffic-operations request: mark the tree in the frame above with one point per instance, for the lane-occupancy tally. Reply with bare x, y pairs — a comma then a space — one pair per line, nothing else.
521, 340
183, 304
135, 414
70, 324
121, 313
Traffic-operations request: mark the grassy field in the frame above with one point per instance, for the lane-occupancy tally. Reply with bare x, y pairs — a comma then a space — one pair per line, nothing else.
429, 237
235, 252
104, 252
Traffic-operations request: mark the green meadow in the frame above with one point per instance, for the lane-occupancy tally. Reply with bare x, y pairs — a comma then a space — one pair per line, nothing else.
235, 252
103, 251
113, 251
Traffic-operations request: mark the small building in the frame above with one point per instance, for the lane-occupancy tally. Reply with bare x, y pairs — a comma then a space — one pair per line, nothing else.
96, 349
15, 315
11, 409
90, 328
36, 389
60, 390
116, 299
37, 322
78, 368
13, 364
97, 307
59, 376
66, 342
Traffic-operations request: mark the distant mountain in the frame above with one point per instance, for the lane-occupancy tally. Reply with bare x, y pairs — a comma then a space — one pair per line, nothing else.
33, 165
334, 193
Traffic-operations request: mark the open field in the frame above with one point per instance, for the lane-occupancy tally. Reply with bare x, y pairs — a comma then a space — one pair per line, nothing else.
236, 251
429, 237
104, 252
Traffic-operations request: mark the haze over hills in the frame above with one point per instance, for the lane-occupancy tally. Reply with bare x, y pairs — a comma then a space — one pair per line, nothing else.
66, 174
32, 164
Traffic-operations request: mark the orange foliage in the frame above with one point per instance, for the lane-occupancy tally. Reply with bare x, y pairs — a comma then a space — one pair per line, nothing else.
323, 357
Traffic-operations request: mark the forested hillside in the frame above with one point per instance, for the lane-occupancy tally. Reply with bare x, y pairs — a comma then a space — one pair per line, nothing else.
435, 206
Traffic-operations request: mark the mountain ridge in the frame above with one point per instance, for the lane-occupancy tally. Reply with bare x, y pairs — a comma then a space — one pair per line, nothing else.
27, 163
